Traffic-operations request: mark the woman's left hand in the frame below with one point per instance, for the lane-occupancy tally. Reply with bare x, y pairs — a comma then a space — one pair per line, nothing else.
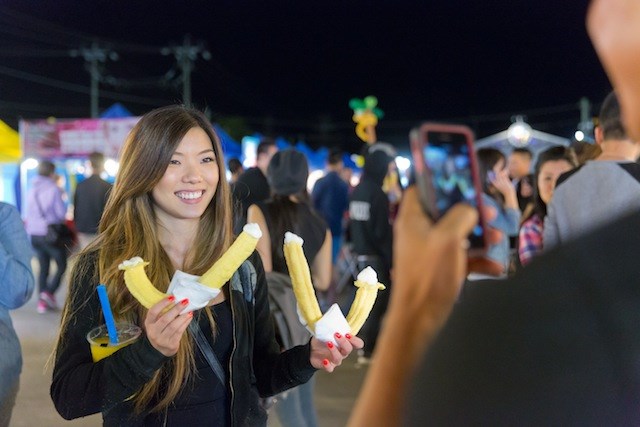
326, 355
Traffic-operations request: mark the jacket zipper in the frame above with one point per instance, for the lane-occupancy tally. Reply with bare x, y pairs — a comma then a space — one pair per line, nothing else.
233, 352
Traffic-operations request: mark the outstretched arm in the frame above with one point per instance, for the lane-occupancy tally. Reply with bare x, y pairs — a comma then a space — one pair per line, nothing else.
613, 29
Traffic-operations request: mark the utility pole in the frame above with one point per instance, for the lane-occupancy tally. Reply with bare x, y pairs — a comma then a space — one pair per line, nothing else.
94, 56
586, 124
185, 56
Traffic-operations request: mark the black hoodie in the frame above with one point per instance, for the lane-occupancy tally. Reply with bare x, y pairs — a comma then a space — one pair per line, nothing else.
371, 232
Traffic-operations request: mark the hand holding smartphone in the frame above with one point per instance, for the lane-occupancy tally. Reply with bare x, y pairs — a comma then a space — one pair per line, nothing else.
446, 173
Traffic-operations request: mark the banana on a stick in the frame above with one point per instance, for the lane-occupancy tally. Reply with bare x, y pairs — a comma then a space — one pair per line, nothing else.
223, 269
220, 272
368, 287
139, 284
301, 279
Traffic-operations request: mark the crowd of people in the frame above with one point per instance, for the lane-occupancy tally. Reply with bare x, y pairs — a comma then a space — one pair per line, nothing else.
553, 340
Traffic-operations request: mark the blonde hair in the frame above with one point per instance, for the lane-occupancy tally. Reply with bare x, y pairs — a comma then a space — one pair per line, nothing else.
128, 228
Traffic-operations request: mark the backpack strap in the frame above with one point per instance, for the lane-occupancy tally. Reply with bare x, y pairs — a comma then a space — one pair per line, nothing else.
207, 351
244, 280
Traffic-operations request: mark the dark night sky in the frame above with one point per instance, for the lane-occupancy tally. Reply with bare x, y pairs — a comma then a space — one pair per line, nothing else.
290, 68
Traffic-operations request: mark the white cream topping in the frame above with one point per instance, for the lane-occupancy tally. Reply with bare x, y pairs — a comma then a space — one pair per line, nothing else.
189, 194
369, 276
130, 263
253, 229
289, 237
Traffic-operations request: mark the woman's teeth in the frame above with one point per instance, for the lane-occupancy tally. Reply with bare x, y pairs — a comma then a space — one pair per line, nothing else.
189, 194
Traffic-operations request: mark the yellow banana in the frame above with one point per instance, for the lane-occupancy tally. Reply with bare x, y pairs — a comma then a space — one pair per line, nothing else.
301, 279
139, 284
148, 295
368, 287
222, 270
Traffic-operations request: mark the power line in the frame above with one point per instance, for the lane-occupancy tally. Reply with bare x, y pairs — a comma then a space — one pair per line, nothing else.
72, 87
22, 25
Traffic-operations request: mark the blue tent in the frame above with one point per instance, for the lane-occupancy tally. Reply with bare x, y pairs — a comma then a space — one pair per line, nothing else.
230, 148
116, 111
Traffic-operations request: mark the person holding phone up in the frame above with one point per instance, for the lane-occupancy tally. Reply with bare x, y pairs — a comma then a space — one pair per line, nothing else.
500, 194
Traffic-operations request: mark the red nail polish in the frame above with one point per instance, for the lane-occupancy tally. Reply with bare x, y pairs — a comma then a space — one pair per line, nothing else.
190, 314
337, 334
325, 362
347, 336
171, 298
185, 301
330, 344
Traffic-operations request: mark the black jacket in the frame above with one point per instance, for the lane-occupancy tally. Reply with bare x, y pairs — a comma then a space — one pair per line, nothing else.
88, 203
257, 368
369, 225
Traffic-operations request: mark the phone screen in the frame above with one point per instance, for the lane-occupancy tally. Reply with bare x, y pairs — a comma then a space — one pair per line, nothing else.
447, 153
447, 157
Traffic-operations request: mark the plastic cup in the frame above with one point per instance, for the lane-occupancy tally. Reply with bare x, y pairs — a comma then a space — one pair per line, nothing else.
101, 347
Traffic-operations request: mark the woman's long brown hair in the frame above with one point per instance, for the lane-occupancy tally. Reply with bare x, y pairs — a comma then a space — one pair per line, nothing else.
128, 228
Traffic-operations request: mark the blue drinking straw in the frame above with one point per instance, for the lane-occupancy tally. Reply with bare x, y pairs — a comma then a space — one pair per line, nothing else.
108, 315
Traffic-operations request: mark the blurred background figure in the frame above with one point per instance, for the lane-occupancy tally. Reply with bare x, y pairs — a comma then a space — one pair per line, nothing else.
585, 151
16, 288
519, 165
331, 199
252, 185
45, 206
236, 169
602, 189
500, 194
289, 209
89, 200
550, 165
347, 174
372, 237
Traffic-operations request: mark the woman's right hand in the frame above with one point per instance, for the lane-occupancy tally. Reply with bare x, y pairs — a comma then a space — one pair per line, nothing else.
165, 325
503, 184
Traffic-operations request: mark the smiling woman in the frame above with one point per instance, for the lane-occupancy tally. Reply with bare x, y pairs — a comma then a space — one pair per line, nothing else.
189, 183
170, 207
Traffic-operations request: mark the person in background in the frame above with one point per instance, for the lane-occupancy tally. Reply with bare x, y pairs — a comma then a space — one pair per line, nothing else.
236, 169
347, 174
372, 238
519, 166
391, 186
45, 206
176, 214
16, 288
289, 210
602, 189
585, 151
500, 194
252, 185
89, 201
331, 199
550, 165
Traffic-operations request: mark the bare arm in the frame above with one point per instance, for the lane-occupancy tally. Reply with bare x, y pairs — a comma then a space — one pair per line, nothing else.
612, 26
254, 214
321, 268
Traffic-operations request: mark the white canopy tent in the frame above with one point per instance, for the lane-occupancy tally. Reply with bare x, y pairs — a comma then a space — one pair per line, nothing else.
520, 134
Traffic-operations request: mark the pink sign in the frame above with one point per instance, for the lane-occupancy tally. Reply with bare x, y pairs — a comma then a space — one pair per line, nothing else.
66, 138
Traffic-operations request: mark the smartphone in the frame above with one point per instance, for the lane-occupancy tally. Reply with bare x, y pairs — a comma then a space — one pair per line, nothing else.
446, 172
